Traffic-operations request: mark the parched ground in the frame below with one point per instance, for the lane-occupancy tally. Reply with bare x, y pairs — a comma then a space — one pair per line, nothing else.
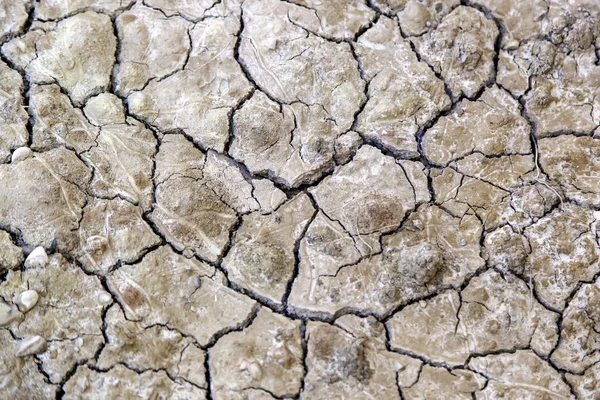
299, 199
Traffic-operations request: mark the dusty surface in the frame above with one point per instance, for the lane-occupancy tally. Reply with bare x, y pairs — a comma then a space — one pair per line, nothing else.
299, 199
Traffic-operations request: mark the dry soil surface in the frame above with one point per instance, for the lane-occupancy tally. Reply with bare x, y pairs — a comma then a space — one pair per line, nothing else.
299, 199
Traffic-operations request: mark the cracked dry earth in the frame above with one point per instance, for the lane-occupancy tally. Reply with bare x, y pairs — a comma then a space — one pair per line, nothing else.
299, 199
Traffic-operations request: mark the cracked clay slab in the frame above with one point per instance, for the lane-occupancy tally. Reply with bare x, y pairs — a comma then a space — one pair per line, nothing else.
493, 313
461, 50
403, 92
147, 292
78, 54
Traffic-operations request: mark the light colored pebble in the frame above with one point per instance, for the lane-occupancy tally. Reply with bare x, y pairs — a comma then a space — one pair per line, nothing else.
104, 298
20, 154
31, 345
27, 300
512, 45
38, 258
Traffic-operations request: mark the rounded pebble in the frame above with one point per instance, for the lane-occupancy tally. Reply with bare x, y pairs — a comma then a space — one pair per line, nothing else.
512, 45
104, 298
37, 258
20, 154
27, 300
32, 345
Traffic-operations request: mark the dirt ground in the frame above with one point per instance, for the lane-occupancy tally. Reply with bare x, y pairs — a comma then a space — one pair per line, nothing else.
299, 199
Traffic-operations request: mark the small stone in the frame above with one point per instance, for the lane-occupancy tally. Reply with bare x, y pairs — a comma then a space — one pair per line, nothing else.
37, 258
27, 300
511, 45
32, 345
20, 154
104, 298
